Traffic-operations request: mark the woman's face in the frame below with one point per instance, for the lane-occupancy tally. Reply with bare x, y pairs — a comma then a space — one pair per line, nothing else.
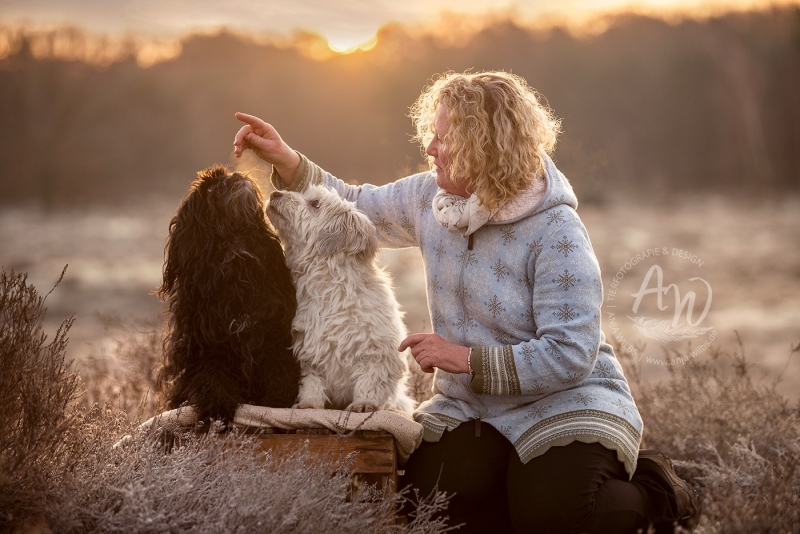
438, 151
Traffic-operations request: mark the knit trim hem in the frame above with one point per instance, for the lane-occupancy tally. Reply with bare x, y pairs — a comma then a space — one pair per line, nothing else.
586, 426
435, 424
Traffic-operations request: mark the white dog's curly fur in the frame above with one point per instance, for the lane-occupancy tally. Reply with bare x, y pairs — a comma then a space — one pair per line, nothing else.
348, 324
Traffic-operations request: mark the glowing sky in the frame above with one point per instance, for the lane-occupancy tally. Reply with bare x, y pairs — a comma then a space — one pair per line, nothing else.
345, 23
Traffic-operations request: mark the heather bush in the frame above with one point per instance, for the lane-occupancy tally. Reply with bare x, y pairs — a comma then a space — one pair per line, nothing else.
210, 484
60, 470
732, 435
36, 391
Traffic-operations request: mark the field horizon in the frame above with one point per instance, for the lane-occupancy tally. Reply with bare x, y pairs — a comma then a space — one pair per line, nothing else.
115, 256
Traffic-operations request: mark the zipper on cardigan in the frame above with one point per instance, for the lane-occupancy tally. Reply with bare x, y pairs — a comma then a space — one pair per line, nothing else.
461, 284
478, 427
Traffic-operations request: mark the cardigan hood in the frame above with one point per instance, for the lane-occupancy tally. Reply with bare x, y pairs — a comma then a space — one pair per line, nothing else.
551, 189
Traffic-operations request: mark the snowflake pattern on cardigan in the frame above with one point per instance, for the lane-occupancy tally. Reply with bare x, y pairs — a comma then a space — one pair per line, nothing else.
529, 308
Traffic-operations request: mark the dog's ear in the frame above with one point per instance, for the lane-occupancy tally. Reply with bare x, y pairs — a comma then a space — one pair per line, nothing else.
185, 240
348, 231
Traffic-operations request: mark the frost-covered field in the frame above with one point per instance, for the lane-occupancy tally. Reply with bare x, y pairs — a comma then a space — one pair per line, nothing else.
747, 252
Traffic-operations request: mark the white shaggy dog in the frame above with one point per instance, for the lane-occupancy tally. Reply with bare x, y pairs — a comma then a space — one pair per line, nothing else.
348, 324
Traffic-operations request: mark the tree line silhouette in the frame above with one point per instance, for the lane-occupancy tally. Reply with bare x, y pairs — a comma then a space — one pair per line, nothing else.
649, 108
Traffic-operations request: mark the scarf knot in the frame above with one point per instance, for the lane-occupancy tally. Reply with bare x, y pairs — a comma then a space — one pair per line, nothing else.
459, 214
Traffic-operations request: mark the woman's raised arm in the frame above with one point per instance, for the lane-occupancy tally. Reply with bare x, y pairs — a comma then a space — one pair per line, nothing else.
265, 142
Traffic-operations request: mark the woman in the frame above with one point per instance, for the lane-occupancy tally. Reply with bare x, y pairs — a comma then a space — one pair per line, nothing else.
532, 424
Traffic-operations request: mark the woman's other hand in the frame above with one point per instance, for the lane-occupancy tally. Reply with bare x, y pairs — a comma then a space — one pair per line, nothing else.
431, 351
265, 142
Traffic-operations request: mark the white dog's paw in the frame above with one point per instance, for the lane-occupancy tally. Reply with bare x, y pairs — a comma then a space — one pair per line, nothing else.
306, 406
362, 407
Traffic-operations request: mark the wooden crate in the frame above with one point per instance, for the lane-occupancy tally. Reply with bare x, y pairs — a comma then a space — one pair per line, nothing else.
375, 461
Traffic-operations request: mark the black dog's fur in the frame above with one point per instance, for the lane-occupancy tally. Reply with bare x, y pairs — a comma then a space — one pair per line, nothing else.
230, 302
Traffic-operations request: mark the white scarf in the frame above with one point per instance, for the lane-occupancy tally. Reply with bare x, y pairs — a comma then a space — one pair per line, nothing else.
459, 214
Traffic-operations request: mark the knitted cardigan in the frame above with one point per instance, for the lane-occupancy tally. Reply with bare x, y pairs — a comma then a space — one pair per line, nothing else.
525, 294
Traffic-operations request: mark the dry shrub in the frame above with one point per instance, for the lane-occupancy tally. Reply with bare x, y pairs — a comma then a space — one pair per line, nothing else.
214, 485
60, 471
36, 390
735, 438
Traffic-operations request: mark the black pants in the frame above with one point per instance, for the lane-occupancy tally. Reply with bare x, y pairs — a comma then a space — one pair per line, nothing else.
579, 487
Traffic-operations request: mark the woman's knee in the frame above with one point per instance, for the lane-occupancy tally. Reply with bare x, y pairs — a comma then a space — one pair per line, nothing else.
556, 492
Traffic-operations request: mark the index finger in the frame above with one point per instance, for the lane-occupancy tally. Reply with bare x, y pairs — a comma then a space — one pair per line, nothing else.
411, 340
243, 132
258, 125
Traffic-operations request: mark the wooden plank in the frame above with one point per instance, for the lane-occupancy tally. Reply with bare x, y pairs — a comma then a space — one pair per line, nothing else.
374, 463
376, 453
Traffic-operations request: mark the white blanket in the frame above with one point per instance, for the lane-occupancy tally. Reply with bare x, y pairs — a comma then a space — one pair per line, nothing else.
407, 432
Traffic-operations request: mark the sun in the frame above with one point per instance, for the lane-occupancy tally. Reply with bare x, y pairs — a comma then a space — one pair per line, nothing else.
347, 44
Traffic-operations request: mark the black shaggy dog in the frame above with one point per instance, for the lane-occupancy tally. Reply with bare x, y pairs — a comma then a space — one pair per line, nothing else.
230, 302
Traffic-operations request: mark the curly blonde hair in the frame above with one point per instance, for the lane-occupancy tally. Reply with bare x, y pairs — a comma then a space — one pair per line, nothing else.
499, 131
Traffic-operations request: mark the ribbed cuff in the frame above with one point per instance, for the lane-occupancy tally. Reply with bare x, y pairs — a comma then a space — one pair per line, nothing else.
495, 371
478, 372
300, 180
